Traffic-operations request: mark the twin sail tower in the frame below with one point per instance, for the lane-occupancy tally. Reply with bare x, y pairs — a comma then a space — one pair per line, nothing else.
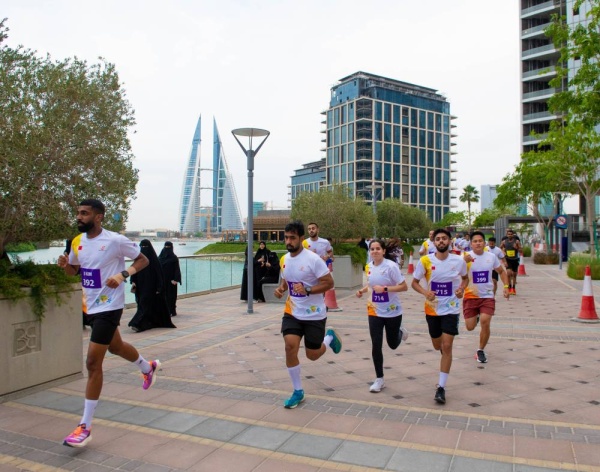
209, 202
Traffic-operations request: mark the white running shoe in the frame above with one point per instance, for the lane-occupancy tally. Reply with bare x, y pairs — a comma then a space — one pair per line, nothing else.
377, 385
404, 333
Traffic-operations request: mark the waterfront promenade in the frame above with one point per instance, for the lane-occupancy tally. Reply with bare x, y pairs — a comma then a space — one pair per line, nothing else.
217, 404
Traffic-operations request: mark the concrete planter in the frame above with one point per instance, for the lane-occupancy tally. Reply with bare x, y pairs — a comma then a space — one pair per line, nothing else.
34, 352
345, 274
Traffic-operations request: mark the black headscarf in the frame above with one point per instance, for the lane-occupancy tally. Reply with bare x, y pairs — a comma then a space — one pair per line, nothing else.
169, 263
264, 253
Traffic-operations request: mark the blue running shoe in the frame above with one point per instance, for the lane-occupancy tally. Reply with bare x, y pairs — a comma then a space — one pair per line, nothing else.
336, 342
295, 400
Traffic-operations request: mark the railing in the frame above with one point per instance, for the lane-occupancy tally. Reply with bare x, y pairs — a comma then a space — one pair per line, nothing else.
206, 273
539, 93
540, 7
539, 72
535, 29
539, 50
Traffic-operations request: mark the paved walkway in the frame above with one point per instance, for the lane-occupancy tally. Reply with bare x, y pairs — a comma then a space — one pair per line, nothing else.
217, 404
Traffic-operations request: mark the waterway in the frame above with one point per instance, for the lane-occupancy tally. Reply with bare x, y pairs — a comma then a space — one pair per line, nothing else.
198, 273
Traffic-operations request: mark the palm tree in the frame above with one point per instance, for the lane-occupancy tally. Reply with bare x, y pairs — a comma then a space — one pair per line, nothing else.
470, 194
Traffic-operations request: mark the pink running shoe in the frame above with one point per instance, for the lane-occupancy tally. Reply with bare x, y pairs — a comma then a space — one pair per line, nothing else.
79, 437
150, 377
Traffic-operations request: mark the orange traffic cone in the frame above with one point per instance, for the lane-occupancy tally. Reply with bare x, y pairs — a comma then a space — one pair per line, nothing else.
411, 265
588, 307
521, 270
330, 300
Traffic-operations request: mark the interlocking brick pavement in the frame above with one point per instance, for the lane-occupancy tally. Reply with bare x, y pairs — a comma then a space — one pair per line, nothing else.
217, 404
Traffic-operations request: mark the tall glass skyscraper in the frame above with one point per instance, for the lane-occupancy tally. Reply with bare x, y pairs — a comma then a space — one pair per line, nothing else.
391, 139
227, 214
223, 213
189, 208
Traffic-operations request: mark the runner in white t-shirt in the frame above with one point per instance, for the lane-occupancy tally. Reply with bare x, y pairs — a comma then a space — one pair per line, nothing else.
446, 276
307, 278
99, 256
384, 307
479, 303
499, 253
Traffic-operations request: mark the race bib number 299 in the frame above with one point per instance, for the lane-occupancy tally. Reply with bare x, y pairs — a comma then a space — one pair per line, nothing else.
90, 278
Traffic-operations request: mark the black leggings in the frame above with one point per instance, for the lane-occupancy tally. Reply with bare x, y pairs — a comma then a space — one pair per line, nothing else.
392, 335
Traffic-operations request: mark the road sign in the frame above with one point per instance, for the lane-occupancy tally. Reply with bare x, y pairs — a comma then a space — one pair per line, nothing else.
560, 221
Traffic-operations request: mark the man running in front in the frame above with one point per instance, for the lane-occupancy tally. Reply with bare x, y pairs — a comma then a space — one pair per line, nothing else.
307, 278
99, 256
443, 272
479, 303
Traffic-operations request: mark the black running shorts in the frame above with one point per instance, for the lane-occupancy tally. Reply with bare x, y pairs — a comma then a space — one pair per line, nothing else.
442, 324
104, 325
312, 330
512, 264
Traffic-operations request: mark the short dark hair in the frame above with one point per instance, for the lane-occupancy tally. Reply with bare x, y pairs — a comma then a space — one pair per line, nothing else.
477, 233
295, 227
96, 205
492, 239
442, 230
313, 224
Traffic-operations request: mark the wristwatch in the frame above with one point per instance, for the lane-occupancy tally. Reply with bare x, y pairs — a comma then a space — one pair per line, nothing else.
125, 274
385, 289
307, 290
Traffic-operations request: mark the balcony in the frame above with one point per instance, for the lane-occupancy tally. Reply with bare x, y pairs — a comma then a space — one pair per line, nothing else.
546, 7
535, 31
539, 95
540, 52
539, 117
529, 140
543, 73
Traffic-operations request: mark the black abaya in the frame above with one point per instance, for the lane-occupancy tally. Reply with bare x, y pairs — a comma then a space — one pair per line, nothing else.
152, 311
169, 263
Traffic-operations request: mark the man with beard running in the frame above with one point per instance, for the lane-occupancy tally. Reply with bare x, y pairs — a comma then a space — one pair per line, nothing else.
511, 245
307, 278
99, 256
446, 276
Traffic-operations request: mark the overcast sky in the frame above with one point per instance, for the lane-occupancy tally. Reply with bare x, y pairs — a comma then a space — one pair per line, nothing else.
271, 64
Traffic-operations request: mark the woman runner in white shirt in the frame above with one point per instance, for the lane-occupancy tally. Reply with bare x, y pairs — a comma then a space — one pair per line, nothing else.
384, 308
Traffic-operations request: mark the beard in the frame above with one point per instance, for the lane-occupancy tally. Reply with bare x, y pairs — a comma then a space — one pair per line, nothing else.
291, 248
441, 248
85, 227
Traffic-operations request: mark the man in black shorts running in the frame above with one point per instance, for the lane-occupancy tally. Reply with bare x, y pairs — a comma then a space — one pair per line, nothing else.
99, 256
442, 272
307, 278
511, 245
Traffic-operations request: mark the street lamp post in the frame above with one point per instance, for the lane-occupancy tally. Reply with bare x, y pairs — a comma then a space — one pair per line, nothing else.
373, 188
250, 154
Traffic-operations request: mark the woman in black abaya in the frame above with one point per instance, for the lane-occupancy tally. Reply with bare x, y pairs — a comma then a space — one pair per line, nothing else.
152, 311
169, 263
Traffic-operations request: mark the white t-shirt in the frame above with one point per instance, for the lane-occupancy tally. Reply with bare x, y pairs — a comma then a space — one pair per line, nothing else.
305, 268
499, 253
385, 304
443, 277
320, 247
100, 258
480, 269
428, 243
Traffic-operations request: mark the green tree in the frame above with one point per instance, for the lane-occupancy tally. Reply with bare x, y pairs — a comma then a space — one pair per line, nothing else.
453, 218
395, 219
63, 137
470, 195
489, 216
573, 142
532, 182
579, 43
338, 215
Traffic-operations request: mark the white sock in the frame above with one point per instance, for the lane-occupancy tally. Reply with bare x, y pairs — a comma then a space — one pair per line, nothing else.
143, 364
295, 376
327, 340
88, 412
443, 379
